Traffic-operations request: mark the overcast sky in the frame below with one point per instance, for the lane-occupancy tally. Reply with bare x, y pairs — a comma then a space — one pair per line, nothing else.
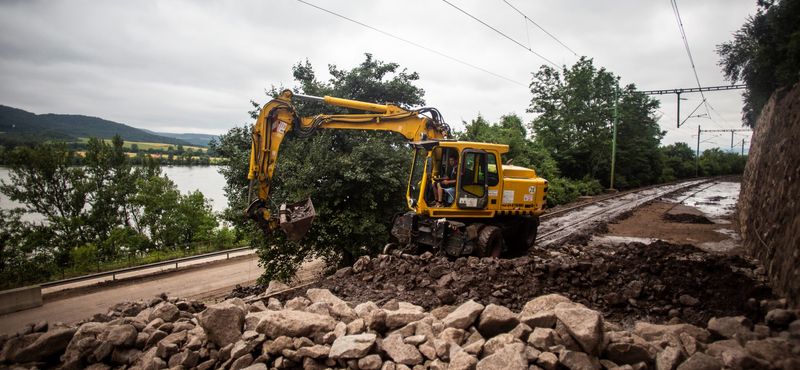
193, 66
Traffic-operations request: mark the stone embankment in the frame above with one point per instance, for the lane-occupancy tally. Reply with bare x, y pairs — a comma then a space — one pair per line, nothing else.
320, 331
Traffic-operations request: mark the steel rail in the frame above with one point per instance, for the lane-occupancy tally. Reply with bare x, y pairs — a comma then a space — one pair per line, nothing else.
634, 203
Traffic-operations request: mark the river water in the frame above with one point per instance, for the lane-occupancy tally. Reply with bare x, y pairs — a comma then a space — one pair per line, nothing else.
203, 178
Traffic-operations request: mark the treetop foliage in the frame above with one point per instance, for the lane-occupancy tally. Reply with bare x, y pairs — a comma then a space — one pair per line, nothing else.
764, 54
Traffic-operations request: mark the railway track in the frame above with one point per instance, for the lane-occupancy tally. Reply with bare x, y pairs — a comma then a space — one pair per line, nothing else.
559, 225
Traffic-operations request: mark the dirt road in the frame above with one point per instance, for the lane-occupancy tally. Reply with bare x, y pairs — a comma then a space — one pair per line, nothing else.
204, 282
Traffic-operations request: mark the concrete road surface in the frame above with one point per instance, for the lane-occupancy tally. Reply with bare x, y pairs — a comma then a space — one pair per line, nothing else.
205, 282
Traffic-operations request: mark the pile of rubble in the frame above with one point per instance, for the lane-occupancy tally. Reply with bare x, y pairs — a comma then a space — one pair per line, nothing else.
319, 330
627, 283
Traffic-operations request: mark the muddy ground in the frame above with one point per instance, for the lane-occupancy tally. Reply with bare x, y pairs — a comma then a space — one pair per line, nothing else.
616, 268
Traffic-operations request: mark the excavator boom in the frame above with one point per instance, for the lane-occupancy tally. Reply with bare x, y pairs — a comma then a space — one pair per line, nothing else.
278, 117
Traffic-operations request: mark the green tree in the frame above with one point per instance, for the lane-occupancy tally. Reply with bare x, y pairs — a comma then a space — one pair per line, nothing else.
134, 148
44, 179
511, 131
576, 108
764, 54
679, 162
356, 179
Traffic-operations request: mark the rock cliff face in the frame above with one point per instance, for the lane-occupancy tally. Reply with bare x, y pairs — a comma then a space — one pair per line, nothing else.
769, 203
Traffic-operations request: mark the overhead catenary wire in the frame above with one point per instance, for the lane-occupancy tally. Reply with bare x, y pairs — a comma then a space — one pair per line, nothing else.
677, 13
412, 43
528, 19
503, 34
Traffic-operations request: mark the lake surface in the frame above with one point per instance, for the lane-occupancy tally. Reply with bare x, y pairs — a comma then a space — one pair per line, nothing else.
203, 178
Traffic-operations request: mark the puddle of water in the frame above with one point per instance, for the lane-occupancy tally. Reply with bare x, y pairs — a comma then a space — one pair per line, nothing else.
723, 246
717, 201
610, 240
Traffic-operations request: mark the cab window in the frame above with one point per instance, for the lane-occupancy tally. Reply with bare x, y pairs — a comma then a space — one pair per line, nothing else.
473, 173
492, 177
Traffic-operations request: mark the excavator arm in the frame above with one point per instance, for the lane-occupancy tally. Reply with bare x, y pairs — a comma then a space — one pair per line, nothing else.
279, 116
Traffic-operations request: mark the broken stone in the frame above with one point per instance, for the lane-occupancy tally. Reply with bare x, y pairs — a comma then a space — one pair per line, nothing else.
495, 320
464, 316
352, 346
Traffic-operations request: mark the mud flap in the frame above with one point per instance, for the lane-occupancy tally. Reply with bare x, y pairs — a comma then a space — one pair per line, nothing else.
296, 218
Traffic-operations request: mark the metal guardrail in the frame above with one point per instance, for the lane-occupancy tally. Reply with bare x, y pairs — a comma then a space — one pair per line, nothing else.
113, 273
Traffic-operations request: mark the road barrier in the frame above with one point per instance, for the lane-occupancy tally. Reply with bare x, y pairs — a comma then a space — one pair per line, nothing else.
20, 299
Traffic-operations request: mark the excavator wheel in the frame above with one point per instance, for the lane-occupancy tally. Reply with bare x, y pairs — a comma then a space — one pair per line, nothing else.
490, 242
525, 237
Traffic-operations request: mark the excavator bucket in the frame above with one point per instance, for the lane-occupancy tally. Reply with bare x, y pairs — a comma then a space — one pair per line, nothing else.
296, 218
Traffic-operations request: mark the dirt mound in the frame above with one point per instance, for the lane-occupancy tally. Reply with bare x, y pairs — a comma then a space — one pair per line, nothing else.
633, 282
686, 218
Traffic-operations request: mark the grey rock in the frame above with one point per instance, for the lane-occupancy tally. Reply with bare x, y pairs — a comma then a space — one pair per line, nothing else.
165, 311
273, 304
101, 352
352, 346
652, 332
188, 359
123, 335
497, 343
316, 352
276, 347
495, 320
154, 338
275, 286
242, 362
376, 320
457, 336
363, 309
628, 353
125, 356
700, 361
511, 356
547, 361
540, 319
464, 316
585, 326
402, 317
223, 322
76, 347
338, 308
543, 338
574, 360
771, 350
727, 327
258, 366
294, 324
297, 304
400, 352
51, 343
545, 302
669, 358
371, 362
521, 332
688, 300
779, 318
461, 359
428, 350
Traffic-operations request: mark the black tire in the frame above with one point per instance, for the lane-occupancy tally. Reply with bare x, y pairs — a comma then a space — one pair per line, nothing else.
490, 242
525, 237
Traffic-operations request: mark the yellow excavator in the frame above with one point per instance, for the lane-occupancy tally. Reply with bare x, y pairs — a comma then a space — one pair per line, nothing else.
462, 200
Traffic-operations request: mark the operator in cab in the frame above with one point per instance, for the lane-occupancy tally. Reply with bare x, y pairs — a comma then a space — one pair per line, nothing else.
446, 186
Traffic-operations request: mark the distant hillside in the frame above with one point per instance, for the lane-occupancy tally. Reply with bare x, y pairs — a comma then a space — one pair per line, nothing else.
19, 124
194, 139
